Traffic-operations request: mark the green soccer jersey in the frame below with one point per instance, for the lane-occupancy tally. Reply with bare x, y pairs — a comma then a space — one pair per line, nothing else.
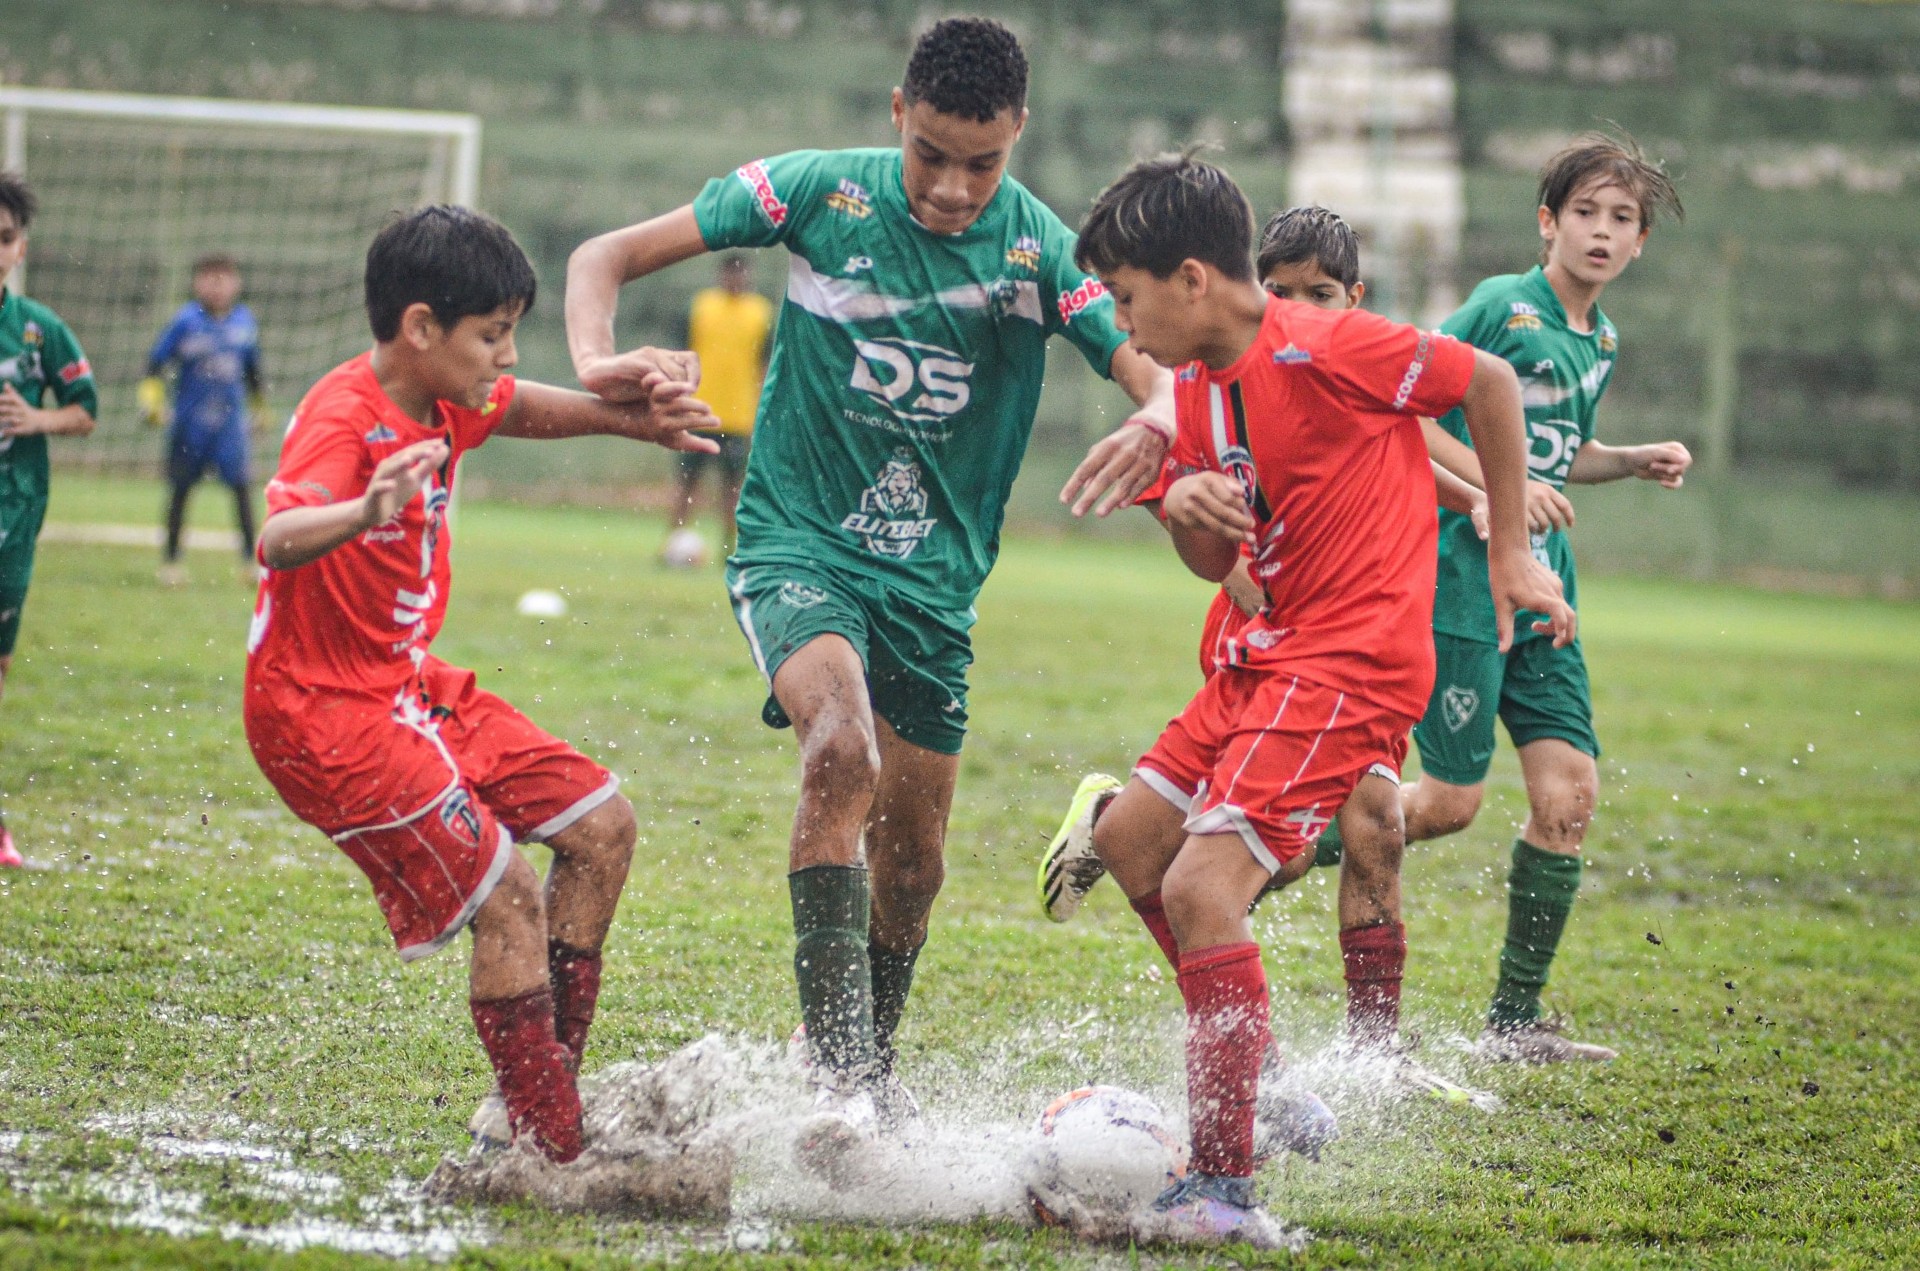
905, 370
1562, 373
38, 356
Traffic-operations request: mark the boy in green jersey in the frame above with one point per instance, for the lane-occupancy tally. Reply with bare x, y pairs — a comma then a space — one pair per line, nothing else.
38, 357
1598, 199
923, 285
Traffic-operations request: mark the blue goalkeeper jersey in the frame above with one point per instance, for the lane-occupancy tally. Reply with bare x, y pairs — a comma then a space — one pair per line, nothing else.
217, 359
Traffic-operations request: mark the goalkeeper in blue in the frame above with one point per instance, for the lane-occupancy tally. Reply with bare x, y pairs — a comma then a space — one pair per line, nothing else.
213, 346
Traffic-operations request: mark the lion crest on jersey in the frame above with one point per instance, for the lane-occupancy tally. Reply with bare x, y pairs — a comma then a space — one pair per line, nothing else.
892, 520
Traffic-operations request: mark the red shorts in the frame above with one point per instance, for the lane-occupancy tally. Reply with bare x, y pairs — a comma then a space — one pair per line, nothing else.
1271, 757
426, 793
1225, 620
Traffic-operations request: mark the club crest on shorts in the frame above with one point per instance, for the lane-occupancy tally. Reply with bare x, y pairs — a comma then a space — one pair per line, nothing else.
1458, 706
801, 595
892, 520
460, 817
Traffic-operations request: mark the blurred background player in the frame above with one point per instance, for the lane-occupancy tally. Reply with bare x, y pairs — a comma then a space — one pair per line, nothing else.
728, 329
422, 778
1299, 436
214, 345
923, 286
1597, 202
38, 357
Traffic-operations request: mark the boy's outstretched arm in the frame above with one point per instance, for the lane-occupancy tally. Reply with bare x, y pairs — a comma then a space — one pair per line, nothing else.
1498, 427
1207, 515
667, 417
296, 536
1663, 461
596, 271
1127, 460
1547, 508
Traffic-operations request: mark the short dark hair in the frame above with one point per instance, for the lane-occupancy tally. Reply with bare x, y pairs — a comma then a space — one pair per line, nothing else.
972, 68
1166, 210
1299, 235
456, 261
17, 196
216, 261
1618, 161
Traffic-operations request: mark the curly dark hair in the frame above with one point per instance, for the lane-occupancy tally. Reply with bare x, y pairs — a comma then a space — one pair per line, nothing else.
1167, 210
16, 196
972, 68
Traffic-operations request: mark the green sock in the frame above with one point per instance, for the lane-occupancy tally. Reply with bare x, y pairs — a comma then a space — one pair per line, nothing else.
1540, 894
892, 981
830, 912
1327, 852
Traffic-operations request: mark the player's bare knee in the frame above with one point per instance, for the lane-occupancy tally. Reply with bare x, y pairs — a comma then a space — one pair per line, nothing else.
839, 761
1441, 809
516, 904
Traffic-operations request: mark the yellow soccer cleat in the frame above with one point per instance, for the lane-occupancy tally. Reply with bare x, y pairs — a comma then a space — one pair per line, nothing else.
1069, 869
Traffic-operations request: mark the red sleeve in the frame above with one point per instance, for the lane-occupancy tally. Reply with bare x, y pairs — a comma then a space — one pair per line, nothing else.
1381, 367
1188, 453
470, 428
323, 459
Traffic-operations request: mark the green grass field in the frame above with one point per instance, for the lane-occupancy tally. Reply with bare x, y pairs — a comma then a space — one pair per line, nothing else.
190, 967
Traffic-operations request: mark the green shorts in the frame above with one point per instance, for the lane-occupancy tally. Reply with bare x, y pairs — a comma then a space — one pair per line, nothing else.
19, 534
1537, 691
916, 657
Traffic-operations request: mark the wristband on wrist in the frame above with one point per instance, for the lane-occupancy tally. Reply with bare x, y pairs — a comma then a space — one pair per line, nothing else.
1140, 421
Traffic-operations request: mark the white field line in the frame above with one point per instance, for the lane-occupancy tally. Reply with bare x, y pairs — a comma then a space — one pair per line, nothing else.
105, 535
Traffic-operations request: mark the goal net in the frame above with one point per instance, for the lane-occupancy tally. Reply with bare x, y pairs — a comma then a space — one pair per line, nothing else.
133, 189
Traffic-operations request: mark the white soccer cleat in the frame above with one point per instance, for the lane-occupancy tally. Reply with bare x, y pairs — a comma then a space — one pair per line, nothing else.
490, 1127
1407, 1077
836, 1141
1542, 1041
1201, 1210
1069, 869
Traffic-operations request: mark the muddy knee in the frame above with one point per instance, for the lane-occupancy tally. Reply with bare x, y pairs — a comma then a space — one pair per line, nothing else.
839, 761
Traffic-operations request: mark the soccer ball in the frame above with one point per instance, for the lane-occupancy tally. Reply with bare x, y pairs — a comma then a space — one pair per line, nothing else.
1101, 1148
685, 549
540, 603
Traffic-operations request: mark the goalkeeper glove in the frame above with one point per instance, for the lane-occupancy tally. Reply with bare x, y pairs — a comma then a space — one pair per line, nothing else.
152, 397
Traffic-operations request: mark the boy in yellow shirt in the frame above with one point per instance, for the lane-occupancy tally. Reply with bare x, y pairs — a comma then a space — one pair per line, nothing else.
728, 328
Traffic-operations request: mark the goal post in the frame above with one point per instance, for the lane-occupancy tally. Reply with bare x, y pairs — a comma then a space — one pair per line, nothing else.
132, 189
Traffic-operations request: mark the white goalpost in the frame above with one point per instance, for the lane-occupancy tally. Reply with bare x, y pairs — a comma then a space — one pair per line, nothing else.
133, 189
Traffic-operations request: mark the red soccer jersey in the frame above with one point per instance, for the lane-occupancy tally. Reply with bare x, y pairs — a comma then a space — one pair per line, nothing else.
1318, 422
361, 617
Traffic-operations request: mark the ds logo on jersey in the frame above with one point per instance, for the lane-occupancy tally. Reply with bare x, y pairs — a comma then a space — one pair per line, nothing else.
754, 177
916, 381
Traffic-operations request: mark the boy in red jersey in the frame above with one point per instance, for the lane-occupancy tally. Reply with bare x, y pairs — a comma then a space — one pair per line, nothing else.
423, 779
1311, 256
1299, 436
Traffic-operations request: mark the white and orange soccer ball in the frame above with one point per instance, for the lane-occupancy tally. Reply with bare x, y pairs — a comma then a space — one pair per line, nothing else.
1103, 1149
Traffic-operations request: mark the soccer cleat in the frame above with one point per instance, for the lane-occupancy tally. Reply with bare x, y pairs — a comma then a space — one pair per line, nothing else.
10, 857
1202, 1209
1069, 869
1539, 1041
490, 1127
895, 1108
1288, 1120
835, 1142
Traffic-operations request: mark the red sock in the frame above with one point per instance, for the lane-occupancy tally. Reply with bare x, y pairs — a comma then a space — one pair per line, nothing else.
1154, 914
532, 1070
575, 976
1375, 958
1227, 1035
